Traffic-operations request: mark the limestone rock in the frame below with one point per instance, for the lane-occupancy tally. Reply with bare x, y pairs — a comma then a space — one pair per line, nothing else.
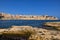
55, 25
29, 33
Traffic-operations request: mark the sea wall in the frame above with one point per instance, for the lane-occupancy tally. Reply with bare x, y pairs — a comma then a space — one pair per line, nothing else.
27, 17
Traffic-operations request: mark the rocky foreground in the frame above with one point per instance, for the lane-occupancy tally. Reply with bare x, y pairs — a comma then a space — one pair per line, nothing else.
29, 33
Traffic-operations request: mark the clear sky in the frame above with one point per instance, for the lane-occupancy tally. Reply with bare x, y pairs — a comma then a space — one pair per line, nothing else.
31, 7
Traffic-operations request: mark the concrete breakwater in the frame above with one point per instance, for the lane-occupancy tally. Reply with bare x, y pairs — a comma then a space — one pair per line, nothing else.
4, 16
28, 33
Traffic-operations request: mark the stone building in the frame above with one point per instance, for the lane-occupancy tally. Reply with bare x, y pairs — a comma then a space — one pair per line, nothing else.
27, 17
1, 16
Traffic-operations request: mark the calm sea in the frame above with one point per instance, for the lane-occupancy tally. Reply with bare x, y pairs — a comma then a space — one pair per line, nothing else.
34, 23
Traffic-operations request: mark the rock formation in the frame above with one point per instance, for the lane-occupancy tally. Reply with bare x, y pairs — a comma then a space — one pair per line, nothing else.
28, 33
55, 25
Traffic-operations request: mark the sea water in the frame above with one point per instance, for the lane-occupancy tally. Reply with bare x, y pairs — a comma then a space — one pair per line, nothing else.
34, 23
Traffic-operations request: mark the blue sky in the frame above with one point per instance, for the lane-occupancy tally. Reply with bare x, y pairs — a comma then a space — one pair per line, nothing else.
31, 7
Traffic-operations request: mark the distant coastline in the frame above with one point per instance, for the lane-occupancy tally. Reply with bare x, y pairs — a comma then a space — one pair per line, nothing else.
5, 16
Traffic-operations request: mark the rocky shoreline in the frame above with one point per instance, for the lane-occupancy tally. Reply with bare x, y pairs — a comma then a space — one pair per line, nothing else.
29, 33
55, 25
